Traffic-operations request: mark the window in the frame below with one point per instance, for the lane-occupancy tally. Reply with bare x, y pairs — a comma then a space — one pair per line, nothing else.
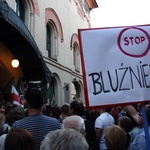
74, 44
53, 32
76, 60
20, 10
48, 41
25, 10
51, 40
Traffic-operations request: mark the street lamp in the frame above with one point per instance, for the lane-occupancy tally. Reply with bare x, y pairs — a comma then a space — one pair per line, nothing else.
15, 62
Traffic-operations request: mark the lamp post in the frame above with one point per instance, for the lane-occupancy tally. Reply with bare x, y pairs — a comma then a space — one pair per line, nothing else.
15, 62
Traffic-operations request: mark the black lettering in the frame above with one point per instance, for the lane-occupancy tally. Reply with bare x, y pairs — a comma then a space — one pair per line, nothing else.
141, 68
122, 79
145, 75
117, 82
95, 81
132, 73
105, 91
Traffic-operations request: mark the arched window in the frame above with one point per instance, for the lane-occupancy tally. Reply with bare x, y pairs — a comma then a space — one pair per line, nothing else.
25, 10
51, 40
51, 15
76, 58
74, 45
53, 32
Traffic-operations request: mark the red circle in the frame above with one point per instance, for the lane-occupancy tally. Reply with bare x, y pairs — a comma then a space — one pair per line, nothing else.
132, 55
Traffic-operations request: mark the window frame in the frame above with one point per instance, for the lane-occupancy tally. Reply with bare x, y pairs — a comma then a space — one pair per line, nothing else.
51, 40
76, 57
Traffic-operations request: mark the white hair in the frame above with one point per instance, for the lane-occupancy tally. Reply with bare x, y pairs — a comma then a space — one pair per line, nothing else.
64, 139
74, 122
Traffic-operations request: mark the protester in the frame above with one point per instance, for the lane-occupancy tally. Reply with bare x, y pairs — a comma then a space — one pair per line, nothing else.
135, 129
64, 139
2, 122
140, 139
2, 109
77, 108
65, 111
93, 114
19, 139
115, 138
11, 117
135, 115
2, 141
101, 123
127, 125
36, 123
56, 112
46, 110
74, 122
115, 111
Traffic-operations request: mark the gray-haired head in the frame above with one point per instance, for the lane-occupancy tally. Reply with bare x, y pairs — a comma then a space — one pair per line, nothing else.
74, 122
64, 139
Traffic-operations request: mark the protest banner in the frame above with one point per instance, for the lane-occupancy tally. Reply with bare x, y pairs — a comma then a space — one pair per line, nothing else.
115, 65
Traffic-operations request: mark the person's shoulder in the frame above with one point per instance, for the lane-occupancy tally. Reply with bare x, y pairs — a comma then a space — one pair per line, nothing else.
54, 120
18, 122
23, 121
50, 119
140, 134
98, 118
102, 116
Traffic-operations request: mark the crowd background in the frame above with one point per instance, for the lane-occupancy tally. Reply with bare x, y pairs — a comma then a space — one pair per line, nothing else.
113, 128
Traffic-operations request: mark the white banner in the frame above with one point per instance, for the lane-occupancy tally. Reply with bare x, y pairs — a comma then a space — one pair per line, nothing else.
116, 65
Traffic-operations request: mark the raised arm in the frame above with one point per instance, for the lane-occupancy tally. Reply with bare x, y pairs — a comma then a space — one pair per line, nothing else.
134, 114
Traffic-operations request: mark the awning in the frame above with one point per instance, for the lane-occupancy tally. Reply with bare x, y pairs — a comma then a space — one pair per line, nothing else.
15, 35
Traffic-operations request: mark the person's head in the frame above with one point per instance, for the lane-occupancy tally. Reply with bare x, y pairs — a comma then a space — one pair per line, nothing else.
125, 123
19, 139
64, 139
65, 110
13, 116
55, 112
2, 108
74, 122
47, 110
77, 107
34, 98
115, 138
21, 109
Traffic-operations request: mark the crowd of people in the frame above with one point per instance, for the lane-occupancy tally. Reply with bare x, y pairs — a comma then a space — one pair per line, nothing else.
39, 126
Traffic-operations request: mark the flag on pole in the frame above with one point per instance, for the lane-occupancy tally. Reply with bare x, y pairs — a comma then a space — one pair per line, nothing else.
49, 93
14, 96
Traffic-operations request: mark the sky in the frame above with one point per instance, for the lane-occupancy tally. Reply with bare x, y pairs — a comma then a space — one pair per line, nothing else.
112, 13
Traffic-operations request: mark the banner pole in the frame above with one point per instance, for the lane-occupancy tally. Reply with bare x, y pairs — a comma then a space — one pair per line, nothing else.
146, 127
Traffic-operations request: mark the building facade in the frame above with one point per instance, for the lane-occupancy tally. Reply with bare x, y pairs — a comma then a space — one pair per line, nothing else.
54, 25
